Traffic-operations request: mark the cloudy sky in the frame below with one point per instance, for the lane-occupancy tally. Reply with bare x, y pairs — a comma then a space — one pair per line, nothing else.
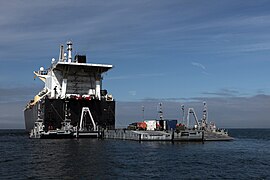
173, 52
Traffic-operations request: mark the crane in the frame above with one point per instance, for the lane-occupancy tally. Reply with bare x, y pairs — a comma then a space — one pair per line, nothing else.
192, 111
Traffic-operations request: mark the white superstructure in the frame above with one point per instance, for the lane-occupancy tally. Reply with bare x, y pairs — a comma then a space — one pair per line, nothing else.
72, 102
72, 77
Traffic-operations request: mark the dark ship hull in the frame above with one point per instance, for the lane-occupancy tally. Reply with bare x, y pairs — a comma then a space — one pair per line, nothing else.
53, 111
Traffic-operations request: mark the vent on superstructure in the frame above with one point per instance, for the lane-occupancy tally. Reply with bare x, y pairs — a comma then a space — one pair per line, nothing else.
80, 58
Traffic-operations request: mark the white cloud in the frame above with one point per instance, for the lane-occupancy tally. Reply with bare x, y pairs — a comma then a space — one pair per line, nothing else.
199, 65
133, 93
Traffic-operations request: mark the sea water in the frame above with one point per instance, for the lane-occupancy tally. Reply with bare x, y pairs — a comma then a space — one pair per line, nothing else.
247, 157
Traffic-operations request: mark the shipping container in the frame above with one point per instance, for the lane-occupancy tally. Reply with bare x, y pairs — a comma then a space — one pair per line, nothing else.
141, 125
151, 125
171, 124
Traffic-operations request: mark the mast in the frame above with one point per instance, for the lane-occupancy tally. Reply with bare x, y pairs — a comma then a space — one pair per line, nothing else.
183, 111
160, 111
205, 116
143, 112
69, 49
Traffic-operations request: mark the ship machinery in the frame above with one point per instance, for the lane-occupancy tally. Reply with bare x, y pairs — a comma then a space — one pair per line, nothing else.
72, 102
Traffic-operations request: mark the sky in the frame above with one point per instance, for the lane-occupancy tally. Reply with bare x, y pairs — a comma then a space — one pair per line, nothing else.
175, 52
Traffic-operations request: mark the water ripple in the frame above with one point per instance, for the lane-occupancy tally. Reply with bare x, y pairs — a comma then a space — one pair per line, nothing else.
247, 157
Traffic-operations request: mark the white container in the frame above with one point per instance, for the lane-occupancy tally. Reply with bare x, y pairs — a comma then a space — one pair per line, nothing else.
151, 125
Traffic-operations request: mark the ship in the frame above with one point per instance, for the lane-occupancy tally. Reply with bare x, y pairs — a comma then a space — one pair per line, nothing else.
211, 132
72, 102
